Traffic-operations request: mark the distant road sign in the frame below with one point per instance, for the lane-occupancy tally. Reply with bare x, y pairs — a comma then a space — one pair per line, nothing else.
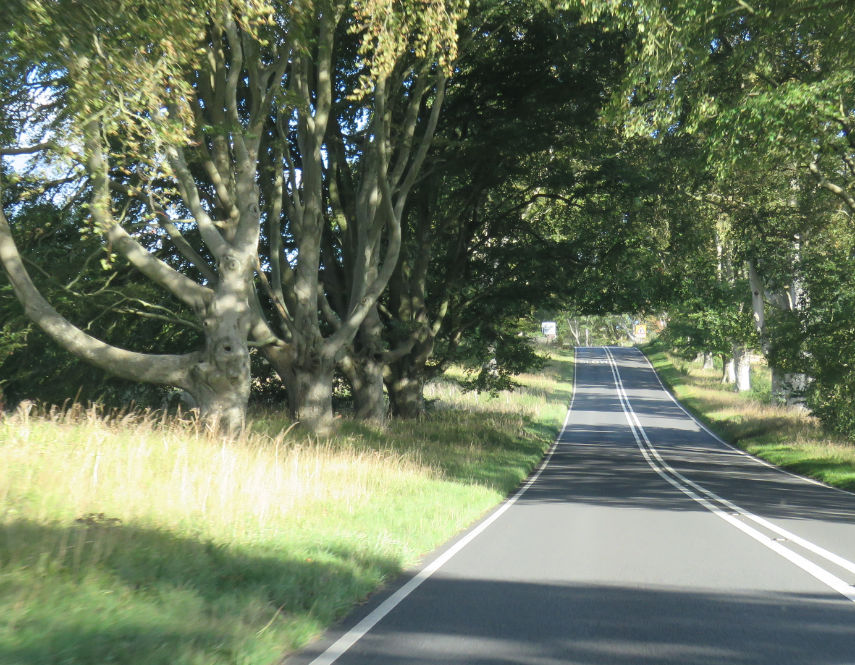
641, 331
549, 329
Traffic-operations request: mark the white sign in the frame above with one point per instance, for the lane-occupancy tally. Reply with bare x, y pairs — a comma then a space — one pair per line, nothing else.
549, 329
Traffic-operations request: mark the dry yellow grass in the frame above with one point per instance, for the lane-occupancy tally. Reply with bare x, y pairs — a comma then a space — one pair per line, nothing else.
132, 538
789, 437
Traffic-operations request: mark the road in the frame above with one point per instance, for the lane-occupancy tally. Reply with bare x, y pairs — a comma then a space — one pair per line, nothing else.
642, 540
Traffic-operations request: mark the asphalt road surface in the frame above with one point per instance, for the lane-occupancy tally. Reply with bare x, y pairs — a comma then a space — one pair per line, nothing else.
642, 540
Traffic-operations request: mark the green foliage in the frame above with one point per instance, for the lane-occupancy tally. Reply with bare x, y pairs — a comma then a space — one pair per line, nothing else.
713, 322
534, 201
103, 296
818, 339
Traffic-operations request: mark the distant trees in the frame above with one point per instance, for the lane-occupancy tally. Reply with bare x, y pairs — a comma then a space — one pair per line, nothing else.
768, 89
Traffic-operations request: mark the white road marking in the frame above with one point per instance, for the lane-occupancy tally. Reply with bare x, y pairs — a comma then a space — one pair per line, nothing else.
766, 524
352, 636
686, 486
706, 429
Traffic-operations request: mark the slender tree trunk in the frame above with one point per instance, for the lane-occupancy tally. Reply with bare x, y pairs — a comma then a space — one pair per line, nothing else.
573, 326
709, 360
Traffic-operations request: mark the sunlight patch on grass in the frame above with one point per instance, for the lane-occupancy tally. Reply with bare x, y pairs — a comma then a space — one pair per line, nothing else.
128, 538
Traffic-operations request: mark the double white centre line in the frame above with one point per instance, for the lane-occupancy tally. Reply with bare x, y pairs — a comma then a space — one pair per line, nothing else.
730, 512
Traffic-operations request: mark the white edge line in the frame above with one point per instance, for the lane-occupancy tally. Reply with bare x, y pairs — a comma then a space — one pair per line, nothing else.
806, 565
789, 535
812, 481
352, 636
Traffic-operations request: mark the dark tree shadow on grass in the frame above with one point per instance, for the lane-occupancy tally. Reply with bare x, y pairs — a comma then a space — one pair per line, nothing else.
100, 592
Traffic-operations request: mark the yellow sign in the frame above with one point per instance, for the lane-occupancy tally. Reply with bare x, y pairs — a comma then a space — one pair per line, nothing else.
641, 330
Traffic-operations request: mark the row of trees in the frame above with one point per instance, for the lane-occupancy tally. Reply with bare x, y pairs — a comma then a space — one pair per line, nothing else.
766, 91
302, 191
294, 196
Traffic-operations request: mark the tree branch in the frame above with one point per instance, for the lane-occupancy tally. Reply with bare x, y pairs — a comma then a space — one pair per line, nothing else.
171, 370
835, 189
26, 150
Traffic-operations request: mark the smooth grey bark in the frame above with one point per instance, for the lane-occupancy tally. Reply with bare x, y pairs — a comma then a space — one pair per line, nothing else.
787, 387
216, 377
225, 211
729, 370
330, 315
364, 366
260, 119
742, 365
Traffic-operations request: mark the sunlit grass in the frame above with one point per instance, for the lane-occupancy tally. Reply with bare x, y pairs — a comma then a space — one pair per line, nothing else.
133, 539
785, 436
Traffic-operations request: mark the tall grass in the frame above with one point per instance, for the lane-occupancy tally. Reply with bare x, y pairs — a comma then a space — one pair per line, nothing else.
786, 436
131, 538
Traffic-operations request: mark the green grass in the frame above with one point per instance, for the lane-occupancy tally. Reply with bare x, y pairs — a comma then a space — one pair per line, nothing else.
126, 539
788, 437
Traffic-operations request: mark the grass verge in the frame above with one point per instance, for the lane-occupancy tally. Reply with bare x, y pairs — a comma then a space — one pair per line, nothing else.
125, 539
787, 437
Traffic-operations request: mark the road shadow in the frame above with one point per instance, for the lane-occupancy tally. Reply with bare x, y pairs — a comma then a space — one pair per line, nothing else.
492, 622
606, 466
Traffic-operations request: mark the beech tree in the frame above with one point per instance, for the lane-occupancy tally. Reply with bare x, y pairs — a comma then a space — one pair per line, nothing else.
205, 127
495, 228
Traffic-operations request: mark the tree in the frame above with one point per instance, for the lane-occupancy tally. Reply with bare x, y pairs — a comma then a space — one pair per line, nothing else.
493, 230
110, 300
205, 126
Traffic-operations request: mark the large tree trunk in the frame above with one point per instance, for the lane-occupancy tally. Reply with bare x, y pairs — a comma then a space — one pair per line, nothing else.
789, 388
310, 397
220, 383
405, 379
742, 362
365, 375
363, 366
308, 379
406, 392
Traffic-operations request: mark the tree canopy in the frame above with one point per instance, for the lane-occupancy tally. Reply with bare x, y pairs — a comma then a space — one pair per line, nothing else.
361, 192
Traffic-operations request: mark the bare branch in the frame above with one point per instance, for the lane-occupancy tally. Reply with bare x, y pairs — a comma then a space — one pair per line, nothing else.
182, 287
835, 189
26, 150
187, 186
